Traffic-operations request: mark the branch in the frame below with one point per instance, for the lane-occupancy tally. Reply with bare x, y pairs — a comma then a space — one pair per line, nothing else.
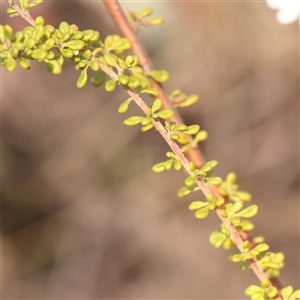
24, 14
234, 234
208, 190
116, 12
114, 9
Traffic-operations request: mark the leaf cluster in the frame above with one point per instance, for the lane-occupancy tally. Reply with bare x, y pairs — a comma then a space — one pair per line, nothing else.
44, 43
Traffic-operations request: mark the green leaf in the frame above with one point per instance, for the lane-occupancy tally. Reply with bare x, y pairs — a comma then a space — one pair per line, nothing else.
159, 75
82, 78
237, 257
124, 106
231, 177
152, 91
147, 11
243, 195
134, 82
95, 65
219, 201
186, 147
146, 121
174, 136
134, 120
217, 238
202, 213
110, 39
262, 247
39, 21
11, 63
258, 239
64, 27
201, 136
25, 63
197, 204
237, 206
110, 59
159, 167
147, 127
235, 221
189, 101
12, 12
75, 44
156, 105
50, 43
189, 181
192, 129
181, 127
98, 78
88, 35
209, 166
177, 164
122, 44
252, 289
68, 53
211, 206
295, 295
123, 79
272, 292
214, 180
23, 4
39, 54
77, 35
165, 114
168, 164
156, 21
287, 292
184, 191
248, 212
271, 264
228, 243
110, 85
131, 60
54, 67
246, 225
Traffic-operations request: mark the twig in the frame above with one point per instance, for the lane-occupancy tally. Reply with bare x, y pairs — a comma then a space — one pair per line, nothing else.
234, 235
206, 189
114, 9
24, 14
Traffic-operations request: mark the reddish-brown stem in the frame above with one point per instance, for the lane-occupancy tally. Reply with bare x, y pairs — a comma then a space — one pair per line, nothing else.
118, 16
24, 14
206, 189
114, 9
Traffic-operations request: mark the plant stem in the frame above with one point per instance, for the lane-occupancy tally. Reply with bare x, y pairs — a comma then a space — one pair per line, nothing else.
118, 15
24, 14
115, 10
234, 235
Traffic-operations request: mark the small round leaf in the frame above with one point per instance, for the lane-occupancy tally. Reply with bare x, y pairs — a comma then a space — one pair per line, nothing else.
159, 75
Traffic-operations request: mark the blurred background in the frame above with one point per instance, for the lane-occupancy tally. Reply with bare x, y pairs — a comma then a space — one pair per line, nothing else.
84, 216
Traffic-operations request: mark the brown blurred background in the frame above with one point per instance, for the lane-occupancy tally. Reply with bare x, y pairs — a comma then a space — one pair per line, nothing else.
84, 216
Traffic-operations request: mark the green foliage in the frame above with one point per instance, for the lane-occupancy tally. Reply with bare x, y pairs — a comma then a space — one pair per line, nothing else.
159, 75
167, 165
44, 43
229, 189
180, 99
203, 208
137, 19
287, 293
222, 237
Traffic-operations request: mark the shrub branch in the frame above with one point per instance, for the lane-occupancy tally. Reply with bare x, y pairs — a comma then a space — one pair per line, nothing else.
194, 155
